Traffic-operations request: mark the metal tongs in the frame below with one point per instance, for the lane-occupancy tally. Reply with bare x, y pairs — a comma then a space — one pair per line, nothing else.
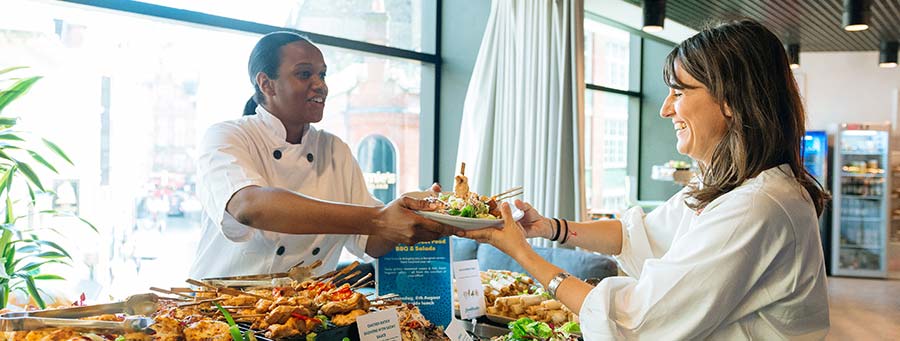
143, 304
297, 273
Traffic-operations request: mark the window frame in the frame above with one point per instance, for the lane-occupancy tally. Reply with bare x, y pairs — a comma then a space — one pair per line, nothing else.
428, 60
636, 108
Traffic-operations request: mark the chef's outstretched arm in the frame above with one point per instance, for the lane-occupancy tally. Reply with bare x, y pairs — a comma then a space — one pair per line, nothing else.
279, 210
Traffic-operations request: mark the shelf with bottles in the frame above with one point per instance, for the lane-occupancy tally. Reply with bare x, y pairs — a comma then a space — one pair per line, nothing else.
862, 197
859, 259
863, 219
862, 208
863, 186
860, 236
861, 247
863, 153
862, 167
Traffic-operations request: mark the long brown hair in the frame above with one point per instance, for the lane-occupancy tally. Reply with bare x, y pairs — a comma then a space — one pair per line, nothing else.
745, 68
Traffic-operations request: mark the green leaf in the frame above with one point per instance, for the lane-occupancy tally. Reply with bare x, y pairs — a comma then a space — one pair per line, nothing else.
55, 246
8, 121
48, 277
88, 223
51, 255
33, 292
57, 150
10, 69
4, 293
30, 191
10, 217
571, 327
29, 249
25, 169
10, 136
19, 88
6, 180
233, 328
36, 265
37, 157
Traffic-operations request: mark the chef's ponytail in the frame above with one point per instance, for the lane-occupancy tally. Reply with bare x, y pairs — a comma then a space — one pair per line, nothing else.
250, 107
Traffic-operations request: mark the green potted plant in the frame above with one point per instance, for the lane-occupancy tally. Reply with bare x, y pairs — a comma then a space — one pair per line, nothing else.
22, 252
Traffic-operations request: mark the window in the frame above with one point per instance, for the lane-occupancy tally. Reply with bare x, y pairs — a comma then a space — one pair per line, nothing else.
395, 23
606, 143
608, 70
129, 97
607, 55
378, 160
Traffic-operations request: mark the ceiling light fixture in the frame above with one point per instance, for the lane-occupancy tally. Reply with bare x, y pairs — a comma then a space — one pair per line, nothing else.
793, 52
654, 15
856, 15
888, 56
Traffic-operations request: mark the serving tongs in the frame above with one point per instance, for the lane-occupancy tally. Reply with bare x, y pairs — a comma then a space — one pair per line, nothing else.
129, 325
143, 304
297, 273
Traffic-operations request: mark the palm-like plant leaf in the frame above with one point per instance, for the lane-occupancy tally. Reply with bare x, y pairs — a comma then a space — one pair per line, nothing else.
19, 88
57, 150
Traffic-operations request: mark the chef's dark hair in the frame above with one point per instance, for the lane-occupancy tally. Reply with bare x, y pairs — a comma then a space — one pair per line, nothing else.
265, 58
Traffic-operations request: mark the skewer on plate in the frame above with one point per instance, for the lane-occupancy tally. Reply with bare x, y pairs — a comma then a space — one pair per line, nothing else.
510, 193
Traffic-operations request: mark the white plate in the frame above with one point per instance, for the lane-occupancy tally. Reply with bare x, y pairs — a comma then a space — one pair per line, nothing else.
469, 223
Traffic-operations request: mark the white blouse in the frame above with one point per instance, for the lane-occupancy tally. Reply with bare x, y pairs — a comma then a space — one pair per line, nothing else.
252, 151
749, 266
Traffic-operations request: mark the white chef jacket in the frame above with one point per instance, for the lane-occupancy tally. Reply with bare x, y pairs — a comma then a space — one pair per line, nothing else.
252, 151
748, 266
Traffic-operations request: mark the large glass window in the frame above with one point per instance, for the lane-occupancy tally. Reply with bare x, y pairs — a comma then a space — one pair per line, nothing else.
606, 150
129, 97
608, 70
395, 23
606, 55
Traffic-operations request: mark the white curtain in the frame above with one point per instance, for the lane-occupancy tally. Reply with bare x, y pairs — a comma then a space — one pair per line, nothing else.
521, 122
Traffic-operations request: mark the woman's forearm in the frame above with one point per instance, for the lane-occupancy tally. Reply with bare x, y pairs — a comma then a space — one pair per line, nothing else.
278, 210
603, 236
571, 291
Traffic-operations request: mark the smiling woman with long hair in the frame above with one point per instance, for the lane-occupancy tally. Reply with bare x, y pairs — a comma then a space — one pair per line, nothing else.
736, 254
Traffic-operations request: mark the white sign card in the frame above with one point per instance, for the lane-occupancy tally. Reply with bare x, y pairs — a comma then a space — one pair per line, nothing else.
469, 290
457, 332
379, 326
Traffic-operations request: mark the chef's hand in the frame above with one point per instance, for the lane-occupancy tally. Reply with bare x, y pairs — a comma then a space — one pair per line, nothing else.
533, 223
510, 238
398, 223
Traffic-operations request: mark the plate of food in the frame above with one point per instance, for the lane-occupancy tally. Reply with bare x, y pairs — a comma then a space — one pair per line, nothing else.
466, 209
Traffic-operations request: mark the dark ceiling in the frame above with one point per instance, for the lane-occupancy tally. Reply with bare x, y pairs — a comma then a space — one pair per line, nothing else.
815, 24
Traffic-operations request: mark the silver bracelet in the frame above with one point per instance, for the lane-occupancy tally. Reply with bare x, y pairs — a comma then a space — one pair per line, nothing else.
556, 281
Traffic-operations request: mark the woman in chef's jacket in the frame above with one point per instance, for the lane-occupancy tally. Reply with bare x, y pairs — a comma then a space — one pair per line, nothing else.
736, 254
277, 191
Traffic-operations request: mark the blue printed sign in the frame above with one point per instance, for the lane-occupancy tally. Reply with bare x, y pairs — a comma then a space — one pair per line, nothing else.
421, 275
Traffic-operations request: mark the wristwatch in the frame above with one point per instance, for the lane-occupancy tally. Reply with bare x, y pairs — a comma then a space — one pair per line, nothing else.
556, 281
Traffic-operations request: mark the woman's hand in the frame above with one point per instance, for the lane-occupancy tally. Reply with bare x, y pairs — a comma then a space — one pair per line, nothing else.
510, 239
533, 223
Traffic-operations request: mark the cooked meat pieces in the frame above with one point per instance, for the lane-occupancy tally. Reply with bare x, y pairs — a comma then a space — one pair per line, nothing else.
207, 331
290, 328
281, 314
356, 301
348, 318
166, 326
242, 300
